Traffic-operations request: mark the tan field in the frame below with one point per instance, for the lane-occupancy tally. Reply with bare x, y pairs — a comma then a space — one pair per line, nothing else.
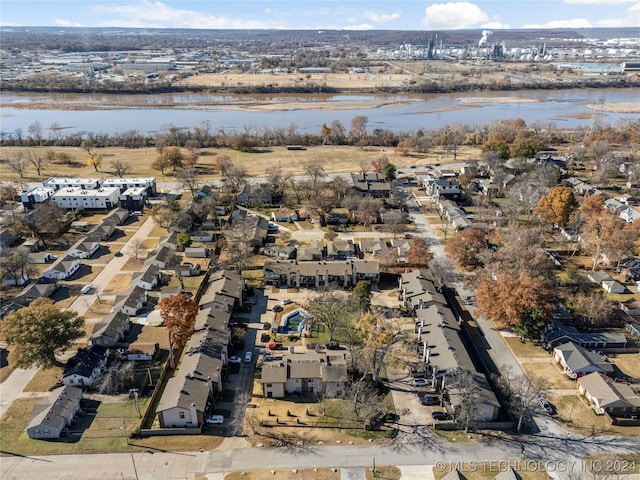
340, 159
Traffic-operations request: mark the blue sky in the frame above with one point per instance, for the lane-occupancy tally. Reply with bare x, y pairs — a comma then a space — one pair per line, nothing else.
323, 14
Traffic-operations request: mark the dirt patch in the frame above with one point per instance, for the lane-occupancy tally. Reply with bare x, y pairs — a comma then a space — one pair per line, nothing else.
119, 283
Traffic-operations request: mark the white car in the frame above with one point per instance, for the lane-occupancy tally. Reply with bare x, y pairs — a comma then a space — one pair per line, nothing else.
86, 289
419, 382
215, 419
286, 301
248, 357
235, 360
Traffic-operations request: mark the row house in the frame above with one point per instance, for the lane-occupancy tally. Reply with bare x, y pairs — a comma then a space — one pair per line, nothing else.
370, 183
59, 183
74, 198
111, 330
54, 413
417, 290
290, 273
148, 184
303, 372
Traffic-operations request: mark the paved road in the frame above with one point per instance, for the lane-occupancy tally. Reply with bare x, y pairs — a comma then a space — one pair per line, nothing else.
549, 452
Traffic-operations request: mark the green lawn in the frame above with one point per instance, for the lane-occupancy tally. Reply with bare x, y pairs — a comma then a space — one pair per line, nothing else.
44, 379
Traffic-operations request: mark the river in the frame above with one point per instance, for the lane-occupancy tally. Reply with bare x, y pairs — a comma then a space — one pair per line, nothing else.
105, 114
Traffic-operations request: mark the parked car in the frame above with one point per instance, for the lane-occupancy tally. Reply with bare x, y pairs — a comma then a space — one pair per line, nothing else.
266, 326
419, 382
234, 359
248, 356
275, 346
86, 289
277, 308
428, 399
286, 301
215, 419
546, 406
333, 346
265, 337
439, 416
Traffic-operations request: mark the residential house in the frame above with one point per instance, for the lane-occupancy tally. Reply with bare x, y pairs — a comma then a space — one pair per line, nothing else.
417, 290
314, 252
140, 351
34, 291
577, 361
202, 236
189, 269
170, 291
630, 215
111, 330
214, 345
402, 246
290, 273
559, 333
170, 240
225, 291
78, 198
53, 413
184, 402
605, 395
148, 279
102, 232
133, 199
444, 350
58, 183
613, 286
85, 367
84, 249
35, 196
62, 269
123, 184
131, 303
279, 251
303, 372
118, 216
599, 277
377, 248
284, 214
370, 183
214, 319
341, 250
164, 258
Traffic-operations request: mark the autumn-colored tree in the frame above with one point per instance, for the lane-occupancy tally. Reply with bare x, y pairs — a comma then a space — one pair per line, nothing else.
95, 160
418, 255
604, 234
592, 205
379, 335
556, 207
504, 297
39, 332
465, 247
179, 315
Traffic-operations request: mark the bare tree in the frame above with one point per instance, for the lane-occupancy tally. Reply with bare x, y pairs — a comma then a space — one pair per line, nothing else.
37, 161
17, 164
238, 243
189, 179
363, 397
14, 265
521, 393
136, 248
334, 309
35, 132
120, 168
358, 130
464, 395
120, 377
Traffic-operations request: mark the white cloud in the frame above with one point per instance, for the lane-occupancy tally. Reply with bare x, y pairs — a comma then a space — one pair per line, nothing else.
597, 2
67, 23
496, 25
381, 17
628, 20
569, 23
453, 16
362, 26
156, 14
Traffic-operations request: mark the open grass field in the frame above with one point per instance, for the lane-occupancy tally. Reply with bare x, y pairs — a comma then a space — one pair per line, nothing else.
335, 159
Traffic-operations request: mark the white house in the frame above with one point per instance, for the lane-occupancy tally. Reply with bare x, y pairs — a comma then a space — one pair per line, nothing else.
613, 286
55, 412
62, 269
84, 249
58, 183
35, 196
148, 278
148, 183
183, 402
100, 199
84, 368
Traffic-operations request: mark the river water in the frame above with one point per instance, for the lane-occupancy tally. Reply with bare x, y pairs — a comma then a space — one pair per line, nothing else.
565, 108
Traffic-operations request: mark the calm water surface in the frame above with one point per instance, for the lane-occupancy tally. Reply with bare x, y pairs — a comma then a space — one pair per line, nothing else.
566, 108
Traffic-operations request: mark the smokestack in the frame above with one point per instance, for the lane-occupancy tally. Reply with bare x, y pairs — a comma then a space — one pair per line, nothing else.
485, 36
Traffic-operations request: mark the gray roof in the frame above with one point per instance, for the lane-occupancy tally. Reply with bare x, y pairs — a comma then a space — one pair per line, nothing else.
212, 318
58, 405
85, 361
578, 358
609, 392
561, 333
112, 326
182, 391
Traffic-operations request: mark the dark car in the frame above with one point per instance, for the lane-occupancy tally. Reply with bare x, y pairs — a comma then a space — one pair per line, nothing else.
428, 399
266, 326
265, 337
277, 308
333, 346
439, 416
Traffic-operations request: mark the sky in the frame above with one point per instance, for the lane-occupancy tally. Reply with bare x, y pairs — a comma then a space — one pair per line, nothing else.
323, 14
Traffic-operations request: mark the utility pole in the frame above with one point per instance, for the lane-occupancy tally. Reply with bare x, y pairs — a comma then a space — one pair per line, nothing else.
135, 400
